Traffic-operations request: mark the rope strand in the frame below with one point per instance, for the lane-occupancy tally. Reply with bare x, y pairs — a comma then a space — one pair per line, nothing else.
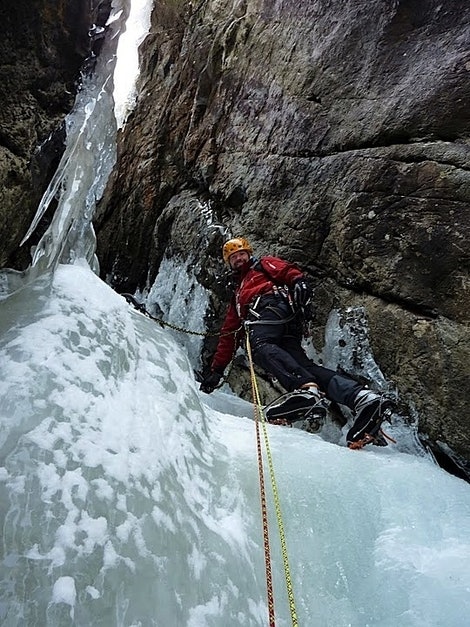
259, 417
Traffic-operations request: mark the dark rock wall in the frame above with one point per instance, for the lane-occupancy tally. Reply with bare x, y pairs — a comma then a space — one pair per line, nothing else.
43, 44
335, 134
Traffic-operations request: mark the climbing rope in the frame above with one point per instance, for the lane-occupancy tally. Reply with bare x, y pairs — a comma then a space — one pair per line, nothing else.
259, 417
265, 522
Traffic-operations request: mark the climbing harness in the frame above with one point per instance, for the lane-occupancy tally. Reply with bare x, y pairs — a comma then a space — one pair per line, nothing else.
259, 418
270, 322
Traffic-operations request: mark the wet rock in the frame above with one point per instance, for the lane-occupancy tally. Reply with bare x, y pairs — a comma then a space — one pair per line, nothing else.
42, 46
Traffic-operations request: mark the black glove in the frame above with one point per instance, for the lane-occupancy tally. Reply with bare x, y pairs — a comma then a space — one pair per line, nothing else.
210, 382
302, 293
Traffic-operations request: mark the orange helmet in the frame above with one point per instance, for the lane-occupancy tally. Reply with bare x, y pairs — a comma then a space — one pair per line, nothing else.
234, 245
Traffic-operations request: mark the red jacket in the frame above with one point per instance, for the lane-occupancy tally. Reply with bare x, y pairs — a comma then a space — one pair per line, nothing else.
252, 282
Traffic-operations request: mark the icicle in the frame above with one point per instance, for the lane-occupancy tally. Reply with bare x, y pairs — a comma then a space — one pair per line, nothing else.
85, 166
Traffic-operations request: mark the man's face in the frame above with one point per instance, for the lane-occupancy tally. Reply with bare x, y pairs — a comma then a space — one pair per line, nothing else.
238, 259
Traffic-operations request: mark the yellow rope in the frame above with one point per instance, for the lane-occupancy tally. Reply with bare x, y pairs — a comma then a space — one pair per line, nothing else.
259, 413
265, 521
259, 417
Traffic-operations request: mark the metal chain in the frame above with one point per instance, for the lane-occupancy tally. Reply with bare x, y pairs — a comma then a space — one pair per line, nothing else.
163, 323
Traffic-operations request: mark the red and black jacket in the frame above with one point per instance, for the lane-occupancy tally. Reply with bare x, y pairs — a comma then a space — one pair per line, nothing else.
255, 279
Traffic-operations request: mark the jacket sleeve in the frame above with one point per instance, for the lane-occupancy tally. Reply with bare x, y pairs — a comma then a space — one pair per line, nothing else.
283, 272
228, 340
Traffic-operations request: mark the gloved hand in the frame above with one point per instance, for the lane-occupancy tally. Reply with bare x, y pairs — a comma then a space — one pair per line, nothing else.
302, 293
210, 382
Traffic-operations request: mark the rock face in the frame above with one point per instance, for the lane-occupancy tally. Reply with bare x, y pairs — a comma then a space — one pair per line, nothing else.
334, 134
43, 44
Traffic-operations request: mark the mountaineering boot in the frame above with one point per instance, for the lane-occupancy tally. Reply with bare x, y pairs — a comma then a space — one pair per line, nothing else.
371, 410
302, 404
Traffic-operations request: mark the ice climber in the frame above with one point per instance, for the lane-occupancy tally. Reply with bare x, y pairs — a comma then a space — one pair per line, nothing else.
268, 299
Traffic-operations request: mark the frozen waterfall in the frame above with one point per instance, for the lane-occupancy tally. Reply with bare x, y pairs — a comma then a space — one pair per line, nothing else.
131, 499
128, 499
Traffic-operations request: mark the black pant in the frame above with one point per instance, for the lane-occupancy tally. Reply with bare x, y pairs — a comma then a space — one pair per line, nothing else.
277, 348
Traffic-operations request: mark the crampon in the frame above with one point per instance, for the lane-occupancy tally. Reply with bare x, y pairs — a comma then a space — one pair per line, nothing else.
378, 439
